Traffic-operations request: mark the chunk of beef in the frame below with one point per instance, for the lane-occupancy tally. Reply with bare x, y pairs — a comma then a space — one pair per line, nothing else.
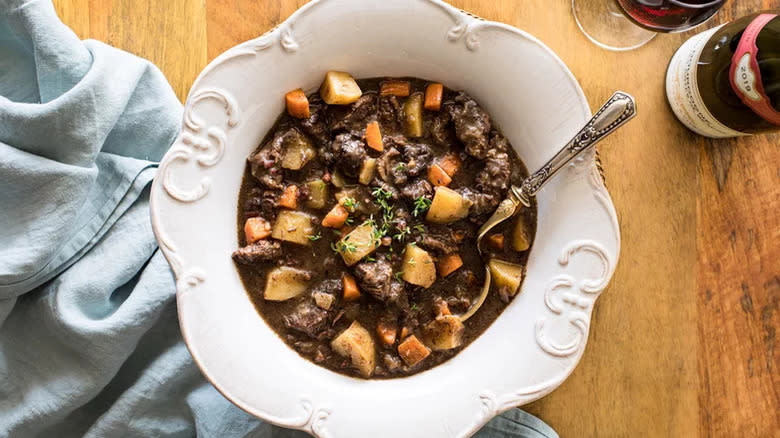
481, 203
349, 153
458, 305
498, 142
440, 239
378, 183
325, 293
265, 161
493, 179
260, 251
472, 125
308, 319
416, 189
442, 131
376, 279
261, 203
401, 218
391, 169
389, 114
316, 125
329, 286
357, 116
417, 157
394, 141
396, 163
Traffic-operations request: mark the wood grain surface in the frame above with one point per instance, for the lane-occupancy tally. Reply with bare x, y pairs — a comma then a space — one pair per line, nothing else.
683, 342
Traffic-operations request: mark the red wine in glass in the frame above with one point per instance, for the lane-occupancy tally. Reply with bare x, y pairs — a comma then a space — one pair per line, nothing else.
669, 15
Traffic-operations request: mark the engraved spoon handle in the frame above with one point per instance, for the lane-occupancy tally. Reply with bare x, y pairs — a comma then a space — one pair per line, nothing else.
619, 109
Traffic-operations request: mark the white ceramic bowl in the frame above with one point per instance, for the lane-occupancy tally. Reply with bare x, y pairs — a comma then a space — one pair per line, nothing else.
527, 352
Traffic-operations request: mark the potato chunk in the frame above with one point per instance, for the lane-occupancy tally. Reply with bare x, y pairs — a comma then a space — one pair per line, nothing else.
338, 180
318, 194
293, 226
284, 282
356, 343
444, 333
413, 117
447, 206
359, 243
412, 351
339, 88
521, 240
298, 151
418, 267
367, 171
506, 275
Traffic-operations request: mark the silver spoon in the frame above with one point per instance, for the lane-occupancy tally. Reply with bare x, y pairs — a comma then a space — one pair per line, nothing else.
619, 109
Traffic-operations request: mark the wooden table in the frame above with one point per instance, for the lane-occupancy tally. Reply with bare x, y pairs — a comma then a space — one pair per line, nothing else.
684, 340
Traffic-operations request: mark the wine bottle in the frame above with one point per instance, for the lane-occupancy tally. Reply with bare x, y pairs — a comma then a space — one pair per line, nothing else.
725, 82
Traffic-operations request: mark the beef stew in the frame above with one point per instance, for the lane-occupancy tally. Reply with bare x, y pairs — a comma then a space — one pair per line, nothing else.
357, 222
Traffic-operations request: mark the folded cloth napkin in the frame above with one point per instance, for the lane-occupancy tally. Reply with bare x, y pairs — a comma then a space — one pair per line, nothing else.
89, 342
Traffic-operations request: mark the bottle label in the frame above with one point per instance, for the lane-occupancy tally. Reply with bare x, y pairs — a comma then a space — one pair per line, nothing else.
745, 76
682, 90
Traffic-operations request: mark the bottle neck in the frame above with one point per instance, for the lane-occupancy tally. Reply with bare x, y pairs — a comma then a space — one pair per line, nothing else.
745, 74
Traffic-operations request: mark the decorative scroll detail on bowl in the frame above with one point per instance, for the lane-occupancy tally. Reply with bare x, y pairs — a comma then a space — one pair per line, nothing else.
570, 298
186, 280
312, 421
249, 48
287, 40
493, 404
207, 150
461, 25
472, 39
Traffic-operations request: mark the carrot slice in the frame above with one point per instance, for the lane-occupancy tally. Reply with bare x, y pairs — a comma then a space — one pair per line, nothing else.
374, 137
297, 104
412, 351
437, 176
335, 217
289, 197
386, 332
496, 241
256, 228
449, 264
351, 291
405, 332
433, 95
450, 163
395, 88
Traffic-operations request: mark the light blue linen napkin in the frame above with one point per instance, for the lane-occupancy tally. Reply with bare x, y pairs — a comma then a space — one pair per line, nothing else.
89, 341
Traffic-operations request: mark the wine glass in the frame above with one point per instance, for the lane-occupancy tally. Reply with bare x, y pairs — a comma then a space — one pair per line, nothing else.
628, 24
